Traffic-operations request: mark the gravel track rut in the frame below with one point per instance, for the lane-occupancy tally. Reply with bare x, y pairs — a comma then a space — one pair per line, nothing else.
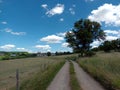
61, 80
86, 82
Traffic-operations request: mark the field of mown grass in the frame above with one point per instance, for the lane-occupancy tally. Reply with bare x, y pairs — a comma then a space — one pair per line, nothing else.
28, 68
105, 67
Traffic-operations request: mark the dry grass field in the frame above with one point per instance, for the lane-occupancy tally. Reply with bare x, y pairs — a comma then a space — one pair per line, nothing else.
105, 67
27, 68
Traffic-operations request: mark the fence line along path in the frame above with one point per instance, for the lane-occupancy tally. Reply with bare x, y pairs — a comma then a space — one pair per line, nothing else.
61, 80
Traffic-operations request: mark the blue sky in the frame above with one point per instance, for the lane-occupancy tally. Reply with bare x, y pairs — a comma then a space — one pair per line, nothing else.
40, 25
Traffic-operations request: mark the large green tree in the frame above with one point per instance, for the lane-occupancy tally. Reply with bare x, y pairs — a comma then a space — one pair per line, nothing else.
83, 34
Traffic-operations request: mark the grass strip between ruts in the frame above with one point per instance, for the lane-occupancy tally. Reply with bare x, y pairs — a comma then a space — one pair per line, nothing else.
73, 80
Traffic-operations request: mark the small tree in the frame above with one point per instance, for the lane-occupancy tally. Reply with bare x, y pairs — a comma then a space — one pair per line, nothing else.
107, 46
115, 44
83, 34
48, 53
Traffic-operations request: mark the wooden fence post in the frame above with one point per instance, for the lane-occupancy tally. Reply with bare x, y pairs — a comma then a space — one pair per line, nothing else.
17, 79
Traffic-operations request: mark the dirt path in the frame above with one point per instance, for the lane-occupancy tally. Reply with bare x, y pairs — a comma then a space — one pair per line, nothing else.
61, 81
86, 82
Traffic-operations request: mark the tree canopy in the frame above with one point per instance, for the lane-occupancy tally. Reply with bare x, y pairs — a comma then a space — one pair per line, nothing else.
83, 34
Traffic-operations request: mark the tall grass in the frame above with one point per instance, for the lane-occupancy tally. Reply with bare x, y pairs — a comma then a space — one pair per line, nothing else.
41, 80
105, 67
28, 68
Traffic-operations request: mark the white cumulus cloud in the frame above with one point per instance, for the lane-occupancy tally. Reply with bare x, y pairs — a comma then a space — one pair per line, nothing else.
58, 9
114, 32
110, 37
107, 13
7, 47
65, 44
61, 34
96, 43
52, 39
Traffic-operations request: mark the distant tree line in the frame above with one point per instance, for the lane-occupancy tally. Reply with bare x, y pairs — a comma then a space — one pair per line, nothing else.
62, 53
15, 55
108, 46
57, 53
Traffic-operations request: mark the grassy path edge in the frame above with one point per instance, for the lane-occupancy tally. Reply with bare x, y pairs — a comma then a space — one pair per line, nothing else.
102, 80
73, 80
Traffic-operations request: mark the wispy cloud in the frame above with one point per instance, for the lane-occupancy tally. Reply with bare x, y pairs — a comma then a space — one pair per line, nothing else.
44, 6
57, 10
72, 11
74, 5
1, 1
21, 49
8, 30
43, 47
7, 47
107, 13
52, 39
61, 19
4, 22
89, 0
24, 50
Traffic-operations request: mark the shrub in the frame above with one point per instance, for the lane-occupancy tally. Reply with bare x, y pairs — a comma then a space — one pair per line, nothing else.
73, 58
5, 58
89, 53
